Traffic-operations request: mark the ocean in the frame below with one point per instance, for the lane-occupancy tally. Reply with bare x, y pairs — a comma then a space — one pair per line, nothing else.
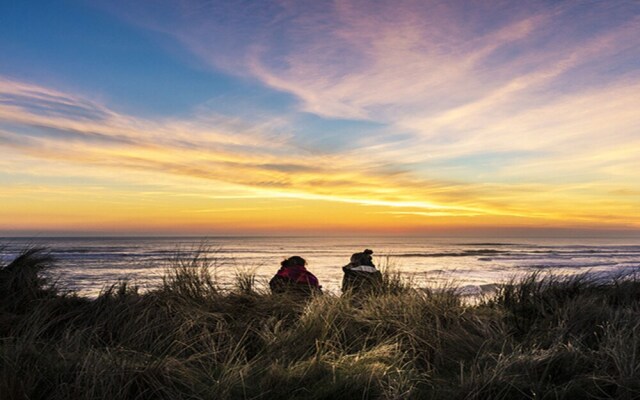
88, 264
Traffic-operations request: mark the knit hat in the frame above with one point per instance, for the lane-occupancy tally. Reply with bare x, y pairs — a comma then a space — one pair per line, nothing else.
363, 258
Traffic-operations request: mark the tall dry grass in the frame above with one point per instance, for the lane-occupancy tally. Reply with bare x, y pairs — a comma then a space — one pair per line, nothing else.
541, 337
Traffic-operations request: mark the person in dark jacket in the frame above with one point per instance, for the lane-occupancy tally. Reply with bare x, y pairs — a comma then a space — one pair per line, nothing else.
294, 278
361, 275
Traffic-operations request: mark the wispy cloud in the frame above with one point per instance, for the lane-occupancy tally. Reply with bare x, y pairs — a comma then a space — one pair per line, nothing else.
201, 148
448, 78
386, 60
263, 166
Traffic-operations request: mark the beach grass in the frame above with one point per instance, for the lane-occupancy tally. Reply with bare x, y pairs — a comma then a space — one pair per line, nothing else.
537, 337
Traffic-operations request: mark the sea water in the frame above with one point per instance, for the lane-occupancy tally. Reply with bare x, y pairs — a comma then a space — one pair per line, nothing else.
89, 264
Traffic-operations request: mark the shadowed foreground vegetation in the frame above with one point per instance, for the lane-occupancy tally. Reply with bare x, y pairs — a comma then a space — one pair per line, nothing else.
540, 337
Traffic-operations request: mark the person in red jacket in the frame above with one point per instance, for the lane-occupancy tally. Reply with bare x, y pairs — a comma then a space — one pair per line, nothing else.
293, 277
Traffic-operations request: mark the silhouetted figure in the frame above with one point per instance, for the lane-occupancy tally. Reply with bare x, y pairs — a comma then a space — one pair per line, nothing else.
361, 275
294, 278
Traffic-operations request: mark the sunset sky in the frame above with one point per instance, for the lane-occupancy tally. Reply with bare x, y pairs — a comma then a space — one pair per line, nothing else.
319, 117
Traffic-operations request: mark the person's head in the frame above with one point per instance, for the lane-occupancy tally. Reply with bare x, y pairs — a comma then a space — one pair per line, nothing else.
363, 258
295, 261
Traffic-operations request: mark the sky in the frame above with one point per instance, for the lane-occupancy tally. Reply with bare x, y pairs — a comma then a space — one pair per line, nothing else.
193, 117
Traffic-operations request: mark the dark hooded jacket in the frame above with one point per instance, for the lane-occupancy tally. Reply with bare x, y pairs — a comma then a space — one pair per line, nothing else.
361, 275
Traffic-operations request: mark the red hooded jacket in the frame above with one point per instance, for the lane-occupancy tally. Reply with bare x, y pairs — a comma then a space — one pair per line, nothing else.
298, 274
